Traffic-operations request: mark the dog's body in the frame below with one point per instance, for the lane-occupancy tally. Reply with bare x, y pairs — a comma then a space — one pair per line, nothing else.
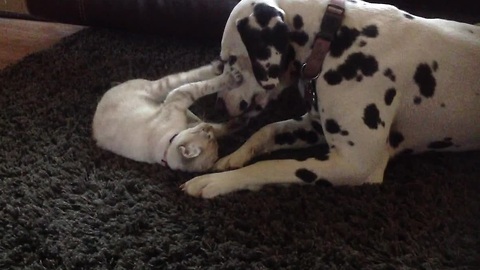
391, 83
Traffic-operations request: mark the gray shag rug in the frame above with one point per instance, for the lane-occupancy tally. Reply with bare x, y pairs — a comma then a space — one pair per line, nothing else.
66, 204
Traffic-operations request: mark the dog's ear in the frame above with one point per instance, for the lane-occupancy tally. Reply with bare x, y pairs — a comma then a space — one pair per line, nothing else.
266, 38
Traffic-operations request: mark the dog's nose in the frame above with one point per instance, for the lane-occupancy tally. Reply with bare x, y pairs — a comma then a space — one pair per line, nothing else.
221, 107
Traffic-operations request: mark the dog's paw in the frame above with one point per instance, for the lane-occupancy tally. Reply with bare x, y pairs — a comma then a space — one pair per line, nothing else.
207, 186
218, 66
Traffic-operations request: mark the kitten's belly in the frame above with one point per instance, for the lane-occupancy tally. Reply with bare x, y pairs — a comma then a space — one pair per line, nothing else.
131, 131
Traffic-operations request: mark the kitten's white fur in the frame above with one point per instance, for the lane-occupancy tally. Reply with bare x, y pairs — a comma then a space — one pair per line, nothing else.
143, 120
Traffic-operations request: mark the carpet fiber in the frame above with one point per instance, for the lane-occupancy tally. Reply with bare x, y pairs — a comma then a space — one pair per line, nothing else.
66, 204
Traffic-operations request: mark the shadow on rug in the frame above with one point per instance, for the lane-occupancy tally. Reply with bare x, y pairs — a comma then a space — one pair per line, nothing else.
64, 203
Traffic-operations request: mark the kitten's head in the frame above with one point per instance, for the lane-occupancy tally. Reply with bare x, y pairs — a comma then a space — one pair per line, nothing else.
194, 149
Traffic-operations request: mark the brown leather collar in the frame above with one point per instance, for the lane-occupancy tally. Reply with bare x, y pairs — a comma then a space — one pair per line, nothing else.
331, 22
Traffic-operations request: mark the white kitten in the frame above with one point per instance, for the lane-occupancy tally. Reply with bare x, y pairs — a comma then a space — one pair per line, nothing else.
144, 121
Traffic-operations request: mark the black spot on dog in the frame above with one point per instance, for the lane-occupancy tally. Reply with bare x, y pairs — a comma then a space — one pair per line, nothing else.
447, 142
442, 105
278, 37
285, 138
356, 62
351, 143
258, 42
424, 79
299, 37
332, 77
371, 116
297, 22
318, 152
417, 100
359, 78
254, 41
347, 36
362, 43
395, 138
370, 31
259, 71
435, 66
309, 137
297, 66
243, 105
408, 16
274, 71
306, 175
367, 64
389, 96
322, 155
344, 133
317, 127
287, 58
312, 137
344, 40
263, 13
389, 74
331, 126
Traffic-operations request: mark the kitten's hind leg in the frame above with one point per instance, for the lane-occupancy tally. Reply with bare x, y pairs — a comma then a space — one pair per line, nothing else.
185, 95
160, 88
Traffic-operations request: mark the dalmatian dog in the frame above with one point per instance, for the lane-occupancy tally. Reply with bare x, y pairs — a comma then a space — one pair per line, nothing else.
390, 83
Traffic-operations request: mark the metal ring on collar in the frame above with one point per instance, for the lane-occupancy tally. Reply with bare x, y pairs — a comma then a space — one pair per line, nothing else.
302, 74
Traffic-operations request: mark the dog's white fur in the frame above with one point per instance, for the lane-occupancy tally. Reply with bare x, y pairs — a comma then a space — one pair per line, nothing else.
407, 45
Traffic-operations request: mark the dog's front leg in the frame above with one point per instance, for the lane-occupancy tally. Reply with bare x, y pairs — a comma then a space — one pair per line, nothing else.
303, 132
335, 168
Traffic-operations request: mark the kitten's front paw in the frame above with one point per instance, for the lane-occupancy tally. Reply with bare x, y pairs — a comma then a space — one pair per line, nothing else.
237, 76
233, 161
218, 66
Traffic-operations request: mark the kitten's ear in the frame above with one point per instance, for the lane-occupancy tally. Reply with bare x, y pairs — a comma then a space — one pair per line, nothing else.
190, 151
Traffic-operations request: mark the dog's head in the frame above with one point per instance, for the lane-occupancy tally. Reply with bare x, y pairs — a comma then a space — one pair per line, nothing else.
255, 42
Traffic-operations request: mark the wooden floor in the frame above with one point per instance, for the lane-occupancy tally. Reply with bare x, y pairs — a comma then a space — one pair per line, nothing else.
19, 38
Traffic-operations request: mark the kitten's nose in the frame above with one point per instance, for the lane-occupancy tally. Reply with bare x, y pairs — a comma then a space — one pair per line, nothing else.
208, 132
207, 129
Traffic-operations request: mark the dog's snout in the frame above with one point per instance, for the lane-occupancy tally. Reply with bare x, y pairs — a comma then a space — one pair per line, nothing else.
243, 105
221, 107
